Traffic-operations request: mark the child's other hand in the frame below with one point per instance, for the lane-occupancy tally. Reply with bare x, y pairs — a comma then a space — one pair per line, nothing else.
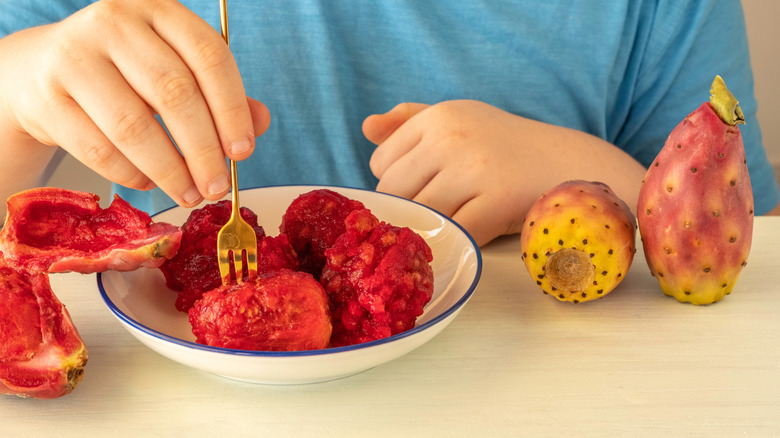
485, 167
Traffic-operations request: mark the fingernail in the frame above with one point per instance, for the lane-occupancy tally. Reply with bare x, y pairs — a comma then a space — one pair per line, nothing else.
219, 185
192, 196
241, 146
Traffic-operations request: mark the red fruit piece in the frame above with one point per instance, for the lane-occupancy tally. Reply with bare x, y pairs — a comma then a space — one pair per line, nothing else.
41, 353
274, 253
313, 222
57, 230
194, 269
379, 279
282, 310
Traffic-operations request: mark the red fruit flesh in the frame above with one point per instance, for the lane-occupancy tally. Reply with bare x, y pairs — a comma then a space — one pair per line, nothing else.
57, 230
379, 279
41, 353
282, 310
194, 269
274, 253
313, 222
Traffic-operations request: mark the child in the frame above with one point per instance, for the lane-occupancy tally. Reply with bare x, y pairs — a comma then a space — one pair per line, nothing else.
490, 103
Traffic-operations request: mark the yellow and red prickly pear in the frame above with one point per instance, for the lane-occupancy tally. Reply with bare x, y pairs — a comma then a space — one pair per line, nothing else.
695, 206
578, 241
41, 353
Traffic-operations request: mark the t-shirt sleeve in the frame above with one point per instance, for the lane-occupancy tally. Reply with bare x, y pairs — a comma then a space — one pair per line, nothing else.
688, 45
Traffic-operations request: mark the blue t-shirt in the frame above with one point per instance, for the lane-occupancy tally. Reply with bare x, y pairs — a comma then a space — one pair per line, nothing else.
627, 71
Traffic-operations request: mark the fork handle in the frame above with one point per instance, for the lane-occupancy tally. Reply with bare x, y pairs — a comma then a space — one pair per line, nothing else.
223, 21
234, 189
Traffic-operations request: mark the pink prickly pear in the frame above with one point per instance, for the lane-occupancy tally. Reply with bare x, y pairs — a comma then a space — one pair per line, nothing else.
695, 207
578, 241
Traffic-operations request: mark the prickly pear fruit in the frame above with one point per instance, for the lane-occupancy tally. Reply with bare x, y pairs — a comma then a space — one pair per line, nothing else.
578, 241
41, 353
695, 206
282, 310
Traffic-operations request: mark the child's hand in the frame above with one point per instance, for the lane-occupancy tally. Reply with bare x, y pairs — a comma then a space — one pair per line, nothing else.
485, 167
94, 82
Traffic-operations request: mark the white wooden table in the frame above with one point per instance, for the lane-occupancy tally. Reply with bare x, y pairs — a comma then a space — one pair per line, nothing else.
514, 363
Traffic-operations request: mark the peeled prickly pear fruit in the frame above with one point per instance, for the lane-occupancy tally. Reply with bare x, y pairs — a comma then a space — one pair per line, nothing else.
41, 353
578, 241
695, 206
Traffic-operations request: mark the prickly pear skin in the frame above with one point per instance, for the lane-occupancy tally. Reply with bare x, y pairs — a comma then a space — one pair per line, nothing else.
695, 209
41, 353
58, 230
584, 216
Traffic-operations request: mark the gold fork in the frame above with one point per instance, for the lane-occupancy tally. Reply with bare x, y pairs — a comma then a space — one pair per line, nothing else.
237, 237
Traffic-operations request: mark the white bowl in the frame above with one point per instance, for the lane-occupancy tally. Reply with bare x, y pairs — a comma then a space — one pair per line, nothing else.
145, 306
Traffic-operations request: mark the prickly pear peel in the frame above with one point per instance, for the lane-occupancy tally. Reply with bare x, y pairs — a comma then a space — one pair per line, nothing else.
41, 353
56, 230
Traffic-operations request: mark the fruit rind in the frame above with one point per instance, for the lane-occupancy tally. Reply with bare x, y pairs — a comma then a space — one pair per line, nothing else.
52, 357
51, 229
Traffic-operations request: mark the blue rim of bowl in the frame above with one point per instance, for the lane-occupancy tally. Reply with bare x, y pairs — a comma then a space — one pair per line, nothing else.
229, 351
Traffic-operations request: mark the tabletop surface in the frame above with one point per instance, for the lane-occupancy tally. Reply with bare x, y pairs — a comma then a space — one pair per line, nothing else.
515, 362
